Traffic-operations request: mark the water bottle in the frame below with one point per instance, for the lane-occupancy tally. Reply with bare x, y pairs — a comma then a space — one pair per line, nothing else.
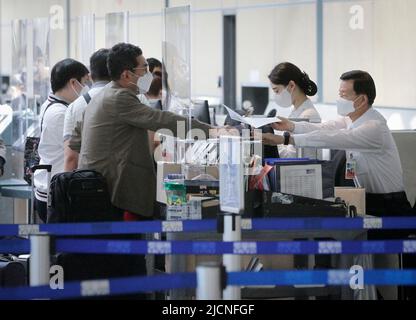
176, 196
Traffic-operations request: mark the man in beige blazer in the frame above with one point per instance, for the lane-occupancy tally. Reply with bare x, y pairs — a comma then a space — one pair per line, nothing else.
115, 139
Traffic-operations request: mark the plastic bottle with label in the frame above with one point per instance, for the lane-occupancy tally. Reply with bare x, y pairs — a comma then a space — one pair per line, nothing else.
176, 196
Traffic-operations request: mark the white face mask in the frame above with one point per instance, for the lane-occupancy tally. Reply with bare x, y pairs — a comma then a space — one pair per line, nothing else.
144, 82
284, 99
345, 107
83, 91
153, 102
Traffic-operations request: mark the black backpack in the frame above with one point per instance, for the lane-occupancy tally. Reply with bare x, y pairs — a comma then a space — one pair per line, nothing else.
79, 196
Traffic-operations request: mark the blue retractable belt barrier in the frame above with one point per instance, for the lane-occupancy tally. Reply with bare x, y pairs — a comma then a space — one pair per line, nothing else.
283, 224
320, 277
240, 248
94, 288
103, 287
105, 228
14, 246
218, 247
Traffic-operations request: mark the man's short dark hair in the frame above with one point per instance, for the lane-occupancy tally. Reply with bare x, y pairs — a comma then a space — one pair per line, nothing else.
66, 70
363, 84
98, 65
122, 56
154, 63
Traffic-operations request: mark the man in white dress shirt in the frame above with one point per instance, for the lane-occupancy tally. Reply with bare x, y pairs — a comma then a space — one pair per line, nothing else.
363, 133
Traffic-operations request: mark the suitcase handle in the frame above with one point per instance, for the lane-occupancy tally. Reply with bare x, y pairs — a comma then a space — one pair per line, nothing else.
46, 167
85, 170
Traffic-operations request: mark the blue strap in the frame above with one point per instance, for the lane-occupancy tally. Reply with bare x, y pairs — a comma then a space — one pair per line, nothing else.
283, 224
319, 277
102, 228
116, 287
239, 248
9, 230
307, 224
218, 247
188, 280
14, 246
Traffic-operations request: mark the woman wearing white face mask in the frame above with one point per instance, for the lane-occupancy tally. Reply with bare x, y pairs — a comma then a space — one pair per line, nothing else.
292, 88
151, 99
153, 95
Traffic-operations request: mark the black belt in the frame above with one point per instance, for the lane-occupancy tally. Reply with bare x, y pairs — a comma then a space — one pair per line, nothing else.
387, 196
388, 204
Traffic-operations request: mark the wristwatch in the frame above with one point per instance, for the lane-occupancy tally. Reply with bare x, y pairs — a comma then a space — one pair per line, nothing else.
286, 135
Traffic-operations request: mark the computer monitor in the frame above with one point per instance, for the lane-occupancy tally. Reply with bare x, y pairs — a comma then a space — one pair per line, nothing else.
201, 111
257, 96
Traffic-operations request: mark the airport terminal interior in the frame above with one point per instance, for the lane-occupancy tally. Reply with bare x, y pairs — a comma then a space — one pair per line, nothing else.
207, 150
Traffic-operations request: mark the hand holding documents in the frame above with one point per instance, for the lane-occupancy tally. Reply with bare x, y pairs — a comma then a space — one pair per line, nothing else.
254, 122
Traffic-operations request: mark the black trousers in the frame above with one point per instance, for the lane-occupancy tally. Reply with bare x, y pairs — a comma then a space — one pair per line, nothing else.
388, 204
41, 209
393, 204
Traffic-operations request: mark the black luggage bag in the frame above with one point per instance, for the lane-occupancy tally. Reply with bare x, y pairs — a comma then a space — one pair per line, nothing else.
82, 196
79, 196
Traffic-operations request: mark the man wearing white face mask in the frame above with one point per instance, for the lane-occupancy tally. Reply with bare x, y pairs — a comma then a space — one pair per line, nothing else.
363, 133
68, 81
292, 88
115, 134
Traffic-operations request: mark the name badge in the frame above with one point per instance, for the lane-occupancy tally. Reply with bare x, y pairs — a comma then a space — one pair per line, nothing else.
351, 168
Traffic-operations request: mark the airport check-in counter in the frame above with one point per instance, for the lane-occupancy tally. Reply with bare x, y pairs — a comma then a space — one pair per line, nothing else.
183, 263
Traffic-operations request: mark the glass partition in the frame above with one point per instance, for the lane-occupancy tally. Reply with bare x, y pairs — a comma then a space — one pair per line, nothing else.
177, 59
84, 38
116, 28
19, 81
41, 61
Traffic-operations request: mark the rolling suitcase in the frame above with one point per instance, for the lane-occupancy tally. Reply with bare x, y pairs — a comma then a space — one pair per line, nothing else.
82, 196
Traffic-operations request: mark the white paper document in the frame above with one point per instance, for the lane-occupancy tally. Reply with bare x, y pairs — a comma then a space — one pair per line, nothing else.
305, 180
254, 122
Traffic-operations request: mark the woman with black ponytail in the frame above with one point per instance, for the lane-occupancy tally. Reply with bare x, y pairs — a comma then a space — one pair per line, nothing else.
292, 88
